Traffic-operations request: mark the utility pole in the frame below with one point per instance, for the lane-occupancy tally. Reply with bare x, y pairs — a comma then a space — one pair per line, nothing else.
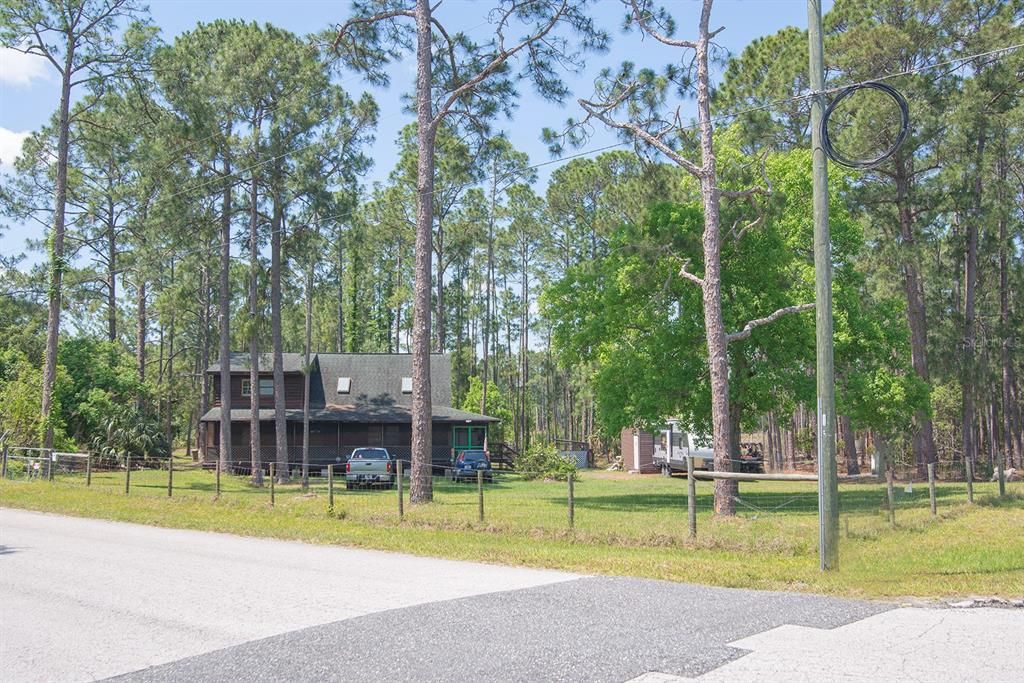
828, 482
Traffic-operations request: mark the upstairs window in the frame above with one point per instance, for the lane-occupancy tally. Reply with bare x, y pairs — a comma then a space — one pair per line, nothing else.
266, 386
344, 385
407, 385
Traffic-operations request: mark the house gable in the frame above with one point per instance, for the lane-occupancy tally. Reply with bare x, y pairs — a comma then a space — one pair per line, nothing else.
375, 381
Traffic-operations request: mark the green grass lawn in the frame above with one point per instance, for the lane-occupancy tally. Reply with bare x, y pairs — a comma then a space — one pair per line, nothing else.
624, 525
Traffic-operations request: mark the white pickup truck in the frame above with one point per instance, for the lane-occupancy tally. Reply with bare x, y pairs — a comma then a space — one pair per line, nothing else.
369, 467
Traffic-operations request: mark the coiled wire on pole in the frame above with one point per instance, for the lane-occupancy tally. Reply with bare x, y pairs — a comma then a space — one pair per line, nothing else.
866, 164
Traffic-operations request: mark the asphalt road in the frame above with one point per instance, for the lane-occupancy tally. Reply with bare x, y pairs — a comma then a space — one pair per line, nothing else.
596, 629
83, 599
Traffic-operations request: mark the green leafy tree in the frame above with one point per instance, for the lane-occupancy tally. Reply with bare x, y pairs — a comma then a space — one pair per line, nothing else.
633, 315
496, 406
636, 104
130, 432
78, 38
21, 383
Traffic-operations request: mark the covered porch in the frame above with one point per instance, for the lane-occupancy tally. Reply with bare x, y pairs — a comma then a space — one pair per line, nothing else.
332, 441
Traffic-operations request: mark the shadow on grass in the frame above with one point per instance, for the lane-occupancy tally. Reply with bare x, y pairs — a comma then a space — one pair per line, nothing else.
796, 502
1010, 500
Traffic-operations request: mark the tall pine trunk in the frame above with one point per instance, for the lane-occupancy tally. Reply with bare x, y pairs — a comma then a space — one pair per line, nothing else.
488, 287
339, 340
968, 361
141, 324
255, 454
421, 488
169, 425
56, 249
111, 271
524, 343
306, 372
204, 358
718, 362
924, 440
398, 305
276, 230
440, 316
224, 304
1006, 331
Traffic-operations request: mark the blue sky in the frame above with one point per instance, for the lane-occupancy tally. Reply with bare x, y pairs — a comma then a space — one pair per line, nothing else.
29, 91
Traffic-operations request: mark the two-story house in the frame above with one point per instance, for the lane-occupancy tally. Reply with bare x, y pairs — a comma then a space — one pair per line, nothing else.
356, 399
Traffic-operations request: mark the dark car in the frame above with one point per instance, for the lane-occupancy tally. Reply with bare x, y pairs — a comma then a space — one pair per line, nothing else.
468, 463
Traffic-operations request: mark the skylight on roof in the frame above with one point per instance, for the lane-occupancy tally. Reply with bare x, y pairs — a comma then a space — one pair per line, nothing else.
407, 385
344, 385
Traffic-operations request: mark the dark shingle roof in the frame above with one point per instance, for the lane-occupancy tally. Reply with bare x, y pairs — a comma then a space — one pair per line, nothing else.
375, 394
240, 362
377, 379
243, 415
359, 414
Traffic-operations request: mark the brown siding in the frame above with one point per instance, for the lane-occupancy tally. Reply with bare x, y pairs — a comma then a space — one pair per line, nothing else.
356, 434
396, 434
441, 435
321, 434
646, 444
328, 440
294, 390
647, 453
626, 443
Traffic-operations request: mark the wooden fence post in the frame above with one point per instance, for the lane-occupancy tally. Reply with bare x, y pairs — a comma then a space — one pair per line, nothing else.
480, 492
88, 469
49, 464
127, 473
398, 485
218, 478
572, 501
970, 480
170, 474
691, 496
931, 486
330, 488
3, 467
272, 484
891, 497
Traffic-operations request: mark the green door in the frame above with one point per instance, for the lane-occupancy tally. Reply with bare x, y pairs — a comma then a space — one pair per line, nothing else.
468, 437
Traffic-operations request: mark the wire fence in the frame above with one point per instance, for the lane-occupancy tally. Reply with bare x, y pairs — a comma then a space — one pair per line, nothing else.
615, 508
241, 460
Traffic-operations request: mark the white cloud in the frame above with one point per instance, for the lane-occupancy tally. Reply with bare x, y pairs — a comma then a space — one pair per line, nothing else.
10, 145
18, 68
